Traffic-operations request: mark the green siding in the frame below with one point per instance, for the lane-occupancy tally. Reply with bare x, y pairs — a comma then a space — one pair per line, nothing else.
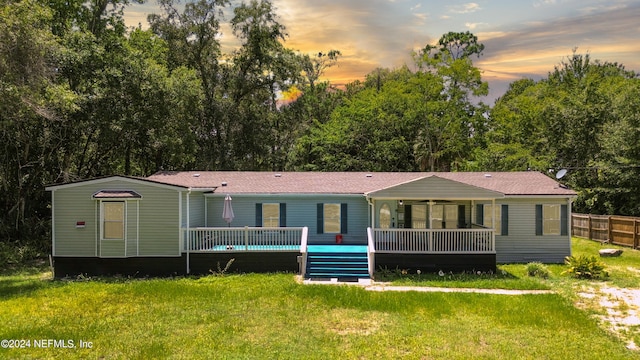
522, 245
70, 207
112, 248
158, 221
301, 211
196, 209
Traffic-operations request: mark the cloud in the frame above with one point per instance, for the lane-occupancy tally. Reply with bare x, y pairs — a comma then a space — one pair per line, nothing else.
535, 49
464, 8
473, 26
543, 3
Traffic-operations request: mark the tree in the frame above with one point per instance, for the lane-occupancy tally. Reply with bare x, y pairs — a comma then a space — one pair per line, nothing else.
455, 124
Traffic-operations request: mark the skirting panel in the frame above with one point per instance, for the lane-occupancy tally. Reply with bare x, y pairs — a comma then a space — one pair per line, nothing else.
436, 262
243, 262
199, 263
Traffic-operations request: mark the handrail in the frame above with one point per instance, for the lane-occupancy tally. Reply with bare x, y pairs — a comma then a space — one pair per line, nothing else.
441, 241
206, 239
371, 249
303, 239
303, 251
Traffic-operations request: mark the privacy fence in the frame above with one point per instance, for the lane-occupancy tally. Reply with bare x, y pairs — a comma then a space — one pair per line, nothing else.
619, 230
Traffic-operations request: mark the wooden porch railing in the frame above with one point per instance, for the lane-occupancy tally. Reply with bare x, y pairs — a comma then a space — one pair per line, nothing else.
442, 241
206, 239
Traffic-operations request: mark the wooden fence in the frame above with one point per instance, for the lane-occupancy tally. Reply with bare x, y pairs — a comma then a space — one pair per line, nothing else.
619, 230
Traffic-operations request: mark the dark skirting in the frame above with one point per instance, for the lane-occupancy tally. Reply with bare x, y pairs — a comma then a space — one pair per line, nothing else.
199, 263
436, 262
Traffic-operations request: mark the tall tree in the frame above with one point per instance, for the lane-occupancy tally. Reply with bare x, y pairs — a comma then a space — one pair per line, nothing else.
455, 125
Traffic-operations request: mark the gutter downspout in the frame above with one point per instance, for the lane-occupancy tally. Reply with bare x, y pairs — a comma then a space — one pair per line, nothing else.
188, 233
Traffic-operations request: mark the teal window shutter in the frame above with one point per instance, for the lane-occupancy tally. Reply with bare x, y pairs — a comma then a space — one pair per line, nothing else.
407, 217
564, 214
462, 223
283, 215
258, 215
480, 214
505, 220
343, 218
320, 222
539, 219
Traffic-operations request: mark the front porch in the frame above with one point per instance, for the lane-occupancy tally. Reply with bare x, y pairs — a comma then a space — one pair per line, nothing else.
286, 249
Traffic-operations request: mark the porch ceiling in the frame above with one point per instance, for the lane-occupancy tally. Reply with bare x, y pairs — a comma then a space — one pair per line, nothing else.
434, 188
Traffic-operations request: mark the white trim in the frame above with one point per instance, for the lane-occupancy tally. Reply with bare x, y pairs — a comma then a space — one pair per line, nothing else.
53, 223
112, 178
188, 233
137, 228
180, 233
126, 226
320, 195
96, 218
547, 196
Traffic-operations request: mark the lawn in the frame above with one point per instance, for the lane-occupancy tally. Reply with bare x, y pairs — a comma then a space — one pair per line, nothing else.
272, 316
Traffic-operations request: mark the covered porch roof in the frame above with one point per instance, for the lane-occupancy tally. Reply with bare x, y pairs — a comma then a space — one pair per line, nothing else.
433, 187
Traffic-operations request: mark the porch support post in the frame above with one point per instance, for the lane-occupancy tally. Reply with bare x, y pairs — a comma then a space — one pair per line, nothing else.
429, 226
188, 232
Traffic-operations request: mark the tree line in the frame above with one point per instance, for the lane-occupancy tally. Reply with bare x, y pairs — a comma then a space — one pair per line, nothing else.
84, 96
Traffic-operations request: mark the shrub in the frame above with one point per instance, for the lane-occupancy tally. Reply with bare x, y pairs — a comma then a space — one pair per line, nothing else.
537, 269
585, 267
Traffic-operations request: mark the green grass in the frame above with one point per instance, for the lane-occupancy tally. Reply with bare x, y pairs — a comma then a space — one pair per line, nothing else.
271, 316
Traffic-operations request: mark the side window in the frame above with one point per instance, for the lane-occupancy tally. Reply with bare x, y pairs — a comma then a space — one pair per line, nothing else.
331, 214
551, 219
488, 217
419, 216
270, 215
113, 220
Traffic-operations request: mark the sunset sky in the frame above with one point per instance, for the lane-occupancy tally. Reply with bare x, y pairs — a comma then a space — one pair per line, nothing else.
522, 38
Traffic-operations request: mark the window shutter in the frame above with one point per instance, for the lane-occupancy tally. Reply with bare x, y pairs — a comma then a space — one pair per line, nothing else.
283, 215
564, 214
538, 219
505, 220
462, 223
320, 223
480, 214
407, 217
258, 215
343, 218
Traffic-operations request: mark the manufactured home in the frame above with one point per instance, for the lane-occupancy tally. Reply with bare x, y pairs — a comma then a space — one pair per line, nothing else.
321, 224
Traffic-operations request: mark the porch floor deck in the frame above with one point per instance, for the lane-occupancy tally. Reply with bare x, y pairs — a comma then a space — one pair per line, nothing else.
337, 248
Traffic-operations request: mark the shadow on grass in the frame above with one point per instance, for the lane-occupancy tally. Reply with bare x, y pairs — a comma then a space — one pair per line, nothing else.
23, 286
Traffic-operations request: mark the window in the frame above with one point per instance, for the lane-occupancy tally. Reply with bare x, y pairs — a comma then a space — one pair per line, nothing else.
385, 216
419, 216
488, 216
270, 215
444, 217
331, 214
113, 220
551, 219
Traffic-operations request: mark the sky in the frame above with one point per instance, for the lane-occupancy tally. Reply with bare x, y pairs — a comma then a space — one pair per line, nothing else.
522, 38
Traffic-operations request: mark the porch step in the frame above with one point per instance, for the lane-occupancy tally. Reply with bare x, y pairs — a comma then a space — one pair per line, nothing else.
332, 262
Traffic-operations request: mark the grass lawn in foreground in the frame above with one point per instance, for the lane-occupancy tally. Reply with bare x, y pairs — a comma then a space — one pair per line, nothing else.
273, 317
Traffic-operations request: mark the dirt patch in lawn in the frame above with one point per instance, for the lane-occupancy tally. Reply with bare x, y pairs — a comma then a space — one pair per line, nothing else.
618, 308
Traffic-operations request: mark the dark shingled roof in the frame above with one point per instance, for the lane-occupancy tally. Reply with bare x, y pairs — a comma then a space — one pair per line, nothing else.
116, 194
